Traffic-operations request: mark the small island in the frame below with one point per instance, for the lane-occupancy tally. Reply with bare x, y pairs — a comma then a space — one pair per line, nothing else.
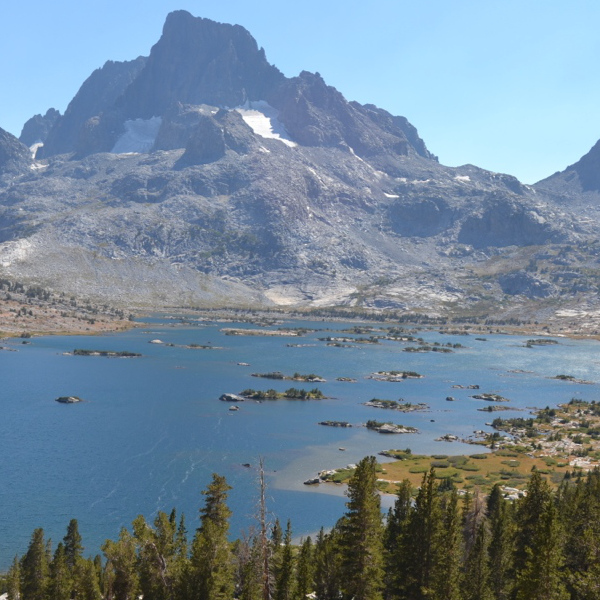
106, 353
349, 340
426, 348
540, 342
496, 408
400, 405
572, 379
335, 423
230, 398
289, 394
386, 428
68, 399
264, 332
490, 397
394, 376
310, 378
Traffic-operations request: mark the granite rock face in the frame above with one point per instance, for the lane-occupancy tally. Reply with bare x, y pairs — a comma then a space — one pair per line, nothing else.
583, 177
203, 176
15, 157
37, 128
96, 96
198, 61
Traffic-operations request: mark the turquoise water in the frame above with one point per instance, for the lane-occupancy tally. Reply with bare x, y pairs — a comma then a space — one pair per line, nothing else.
152, 430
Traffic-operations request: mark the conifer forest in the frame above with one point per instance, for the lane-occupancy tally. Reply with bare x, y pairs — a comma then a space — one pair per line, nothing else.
433, 544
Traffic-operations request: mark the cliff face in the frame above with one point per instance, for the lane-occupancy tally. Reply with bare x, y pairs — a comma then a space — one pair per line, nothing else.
583, 177
202, 175
15, 157
36, 130
96, 96
198, 61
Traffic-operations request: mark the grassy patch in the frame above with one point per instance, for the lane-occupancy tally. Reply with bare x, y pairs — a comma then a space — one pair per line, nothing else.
469, 467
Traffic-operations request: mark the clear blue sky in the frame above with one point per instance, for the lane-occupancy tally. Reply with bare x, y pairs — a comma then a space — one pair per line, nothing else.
509, 85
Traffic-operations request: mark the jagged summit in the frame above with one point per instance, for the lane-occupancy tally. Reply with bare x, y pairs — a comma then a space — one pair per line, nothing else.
582, 177
95, 98
199, 61
36, 130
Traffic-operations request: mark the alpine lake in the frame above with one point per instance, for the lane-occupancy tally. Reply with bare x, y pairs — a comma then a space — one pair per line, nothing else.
150, 429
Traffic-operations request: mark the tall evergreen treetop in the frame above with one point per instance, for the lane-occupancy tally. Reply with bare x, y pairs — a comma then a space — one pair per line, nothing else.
362, 535
72, 541
211, 568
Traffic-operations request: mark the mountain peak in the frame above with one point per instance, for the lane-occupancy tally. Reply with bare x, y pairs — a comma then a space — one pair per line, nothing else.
199, 61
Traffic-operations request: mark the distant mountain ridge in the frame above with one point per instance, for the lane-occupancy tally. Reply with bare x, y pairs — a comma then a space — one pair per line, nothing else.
202, 175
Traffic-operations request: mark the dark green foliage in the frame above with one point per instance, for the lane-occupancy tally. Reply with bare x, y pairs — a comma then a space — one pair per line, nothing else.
397, 541
476, 579
121, 575
361, 535
541, 577
13, 580
304, 570
72, 542
424, 531
34, 568
448, 561
328, 567
284, 577
502, 532
61, 576
211, 563
545, 546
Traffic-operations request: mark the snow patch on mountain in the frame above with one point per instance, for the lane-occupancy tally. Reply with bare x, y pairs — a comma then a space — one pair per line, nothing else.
139, 136
263, 120
35, 147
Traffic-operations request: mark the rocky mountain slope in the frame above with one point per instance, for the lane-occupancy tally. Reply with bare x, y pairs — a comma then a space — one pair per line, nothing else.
201, 175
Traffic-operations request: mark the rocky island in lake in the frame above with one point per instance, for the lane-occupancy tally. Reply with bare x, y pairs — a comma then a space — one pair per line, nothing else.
394, 375
400, 405
106, 353
381, 427
289, 394
490, 397
310, 378
68, 399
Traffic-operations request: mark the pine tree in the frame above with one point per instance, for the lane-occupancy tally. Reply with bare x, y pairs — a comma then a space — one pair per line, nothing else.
89, 583
248, 567
211, 568
424, 538
529, 510
579, 507
475, 583
501, 546
541, 576
328, 568
284, 582
362, 535
34, 568
121, 577
304, 571
449, 551
396, 541
13, 580
61, 578
72, 542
